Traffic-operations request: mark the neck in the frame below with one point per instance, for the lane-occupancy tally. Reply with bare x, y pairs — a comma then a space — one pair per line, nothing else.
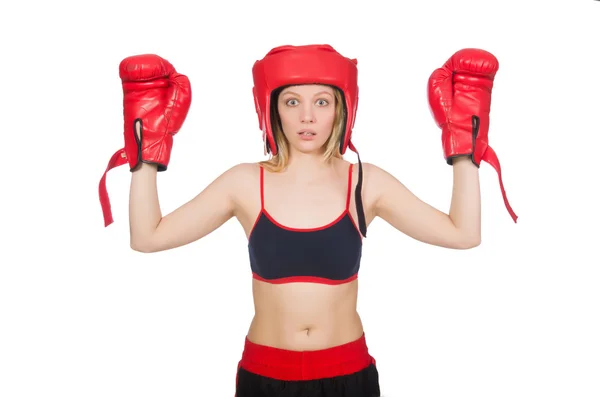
307, 165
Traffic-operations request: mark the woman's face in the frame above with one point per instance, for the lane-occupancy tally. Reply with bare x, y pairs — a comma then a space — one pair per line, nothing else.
307, 114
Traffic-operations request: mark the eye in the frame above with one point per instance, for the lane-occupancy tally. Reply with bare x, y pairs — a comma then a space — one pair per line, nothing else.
289, 102
322, 102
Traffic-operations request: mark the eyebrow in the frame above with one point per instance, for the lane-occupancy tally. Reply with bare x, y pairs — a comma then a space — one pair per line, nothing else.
294, 93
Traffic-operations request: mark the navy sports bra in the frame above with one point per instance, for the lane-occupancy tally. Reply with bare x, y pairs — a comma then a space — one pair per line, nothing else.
329, 254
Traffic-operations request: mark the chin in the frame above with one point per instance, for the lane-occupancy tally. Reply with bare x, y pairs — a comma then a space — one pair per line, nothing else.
309, 147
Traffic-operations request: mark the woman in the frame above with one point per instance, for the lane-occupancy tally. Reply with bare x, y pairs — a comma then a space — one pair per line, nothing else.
304, 226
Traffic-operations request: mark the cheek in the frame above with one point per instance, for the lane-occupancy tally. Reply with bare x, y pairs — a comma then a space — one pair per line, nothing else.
329, 118
286, 123
285, 118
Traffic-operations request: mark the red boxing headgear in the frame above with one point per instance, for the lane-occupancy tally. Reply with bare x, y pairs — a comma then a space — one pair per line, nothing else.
307, 64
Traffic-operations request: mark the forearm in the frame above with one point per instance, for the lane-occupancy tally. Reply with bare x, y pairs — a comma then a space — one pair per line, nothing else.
144, 208
465, 208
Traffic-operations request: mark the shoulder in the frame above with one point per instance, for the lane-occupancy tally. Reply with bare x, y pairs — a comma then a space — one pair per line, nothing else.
242, 170
240, 178
376, 181
236, 176
373, 174
239, 172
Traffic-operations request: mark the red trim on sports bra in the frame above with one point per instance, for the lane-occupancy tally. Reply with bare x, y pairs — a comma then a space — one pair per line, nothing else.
348, 201
305, 279
298, 229
262, 188
305, 229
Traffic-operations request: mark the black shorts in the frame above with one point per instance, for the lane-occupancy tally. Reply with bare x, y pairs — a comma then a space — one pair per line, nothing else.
341, 371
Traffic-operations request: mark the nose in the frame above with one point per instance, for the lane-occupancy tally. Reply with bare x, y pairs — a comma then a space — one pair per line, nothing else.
308, 114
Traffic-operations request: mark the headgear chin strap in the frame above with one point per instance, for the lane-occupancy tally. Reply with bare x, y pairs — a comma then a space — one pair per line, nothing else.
309, 64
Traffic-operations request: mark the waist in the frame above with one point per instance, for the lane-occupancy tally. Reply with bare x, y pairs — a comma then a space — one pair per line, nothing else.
304, 315
296, 336
286, 364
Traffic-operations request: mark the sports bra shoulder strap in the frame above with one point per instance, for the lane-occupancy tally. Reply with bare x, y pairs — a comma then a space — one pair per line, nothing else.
262, 188
349, 186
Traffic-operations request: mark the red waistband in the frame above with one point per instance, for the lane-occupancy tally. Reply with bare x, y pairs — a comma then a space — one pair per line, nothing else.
284, 364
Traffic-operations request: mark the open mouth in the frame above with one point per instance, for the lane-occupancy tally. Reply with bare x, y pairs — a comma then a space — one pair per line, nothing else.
307, 133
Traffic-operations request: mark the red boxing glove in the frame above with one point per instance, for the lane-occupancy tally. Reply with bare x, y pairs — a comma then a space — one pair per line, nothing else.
159, 98
460, 95
156, 101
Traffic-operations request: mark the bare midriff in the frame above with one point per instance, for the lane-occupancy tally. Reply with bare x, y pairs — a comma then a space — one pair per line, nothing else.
304, 316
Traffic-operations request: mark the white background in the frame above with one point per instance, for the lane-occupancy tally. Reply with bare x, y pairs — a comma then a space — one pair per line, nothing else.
83, 315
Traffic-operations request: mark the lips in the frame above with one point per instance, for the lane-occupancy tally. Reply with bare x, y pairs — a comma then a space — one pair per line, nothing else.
307, 133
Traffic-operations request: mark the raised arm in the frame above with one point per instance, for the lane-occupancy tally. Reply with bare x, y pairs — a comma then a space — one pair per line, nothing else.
156, 100
459, 96
398, 206
211, 208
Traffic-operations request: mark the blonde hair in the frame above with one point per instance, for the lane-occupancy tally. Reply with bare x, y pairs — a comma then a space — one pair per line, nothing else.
280, 161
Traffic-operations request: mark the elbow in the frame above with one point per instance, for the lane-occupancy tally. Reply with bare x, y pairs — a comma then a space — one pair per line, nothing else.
469, 243
139, 246
474, 243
